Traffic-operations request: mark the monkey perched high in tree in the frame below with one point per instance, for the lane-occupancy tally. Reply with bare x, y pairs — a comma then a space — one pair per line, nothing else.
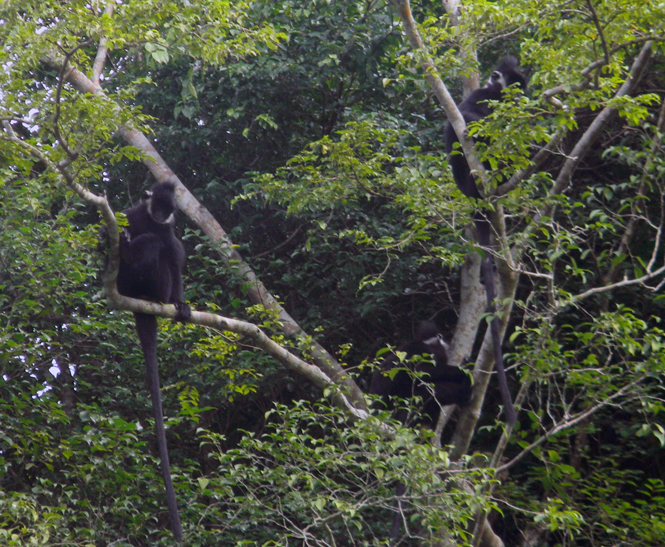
473, 109
151, 262
436, 382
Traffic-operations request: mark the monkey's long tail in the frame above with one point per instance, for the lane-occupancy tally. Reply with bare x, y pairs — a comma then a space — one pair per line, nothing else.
483, 228
146, 326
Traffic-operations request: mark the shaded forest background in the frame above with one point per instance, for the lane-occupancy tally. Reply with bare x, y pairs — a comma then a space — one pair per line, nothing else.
311, 134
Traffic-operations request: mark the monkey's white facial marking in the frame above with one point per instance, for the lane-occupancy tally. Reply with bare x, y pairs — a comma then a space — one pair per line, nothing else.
436, 341
497, 78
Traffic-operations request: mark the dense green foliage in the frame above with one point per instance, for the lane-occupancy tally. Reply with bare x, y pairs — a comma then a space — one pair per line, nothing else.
309, 132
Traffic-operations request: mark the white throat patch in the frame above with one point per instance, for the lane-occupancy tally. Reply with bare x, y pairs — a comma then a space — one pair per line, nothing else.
170, 219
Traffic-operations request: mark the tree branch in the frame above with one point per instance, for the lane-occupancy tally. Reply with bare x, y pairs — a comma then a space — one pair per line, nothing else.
629, 232
599, 29
470, 82
566, 424
538, 160
442, 94
200, 216
102, 51
311, 372
586, 73
585, 142
625, 283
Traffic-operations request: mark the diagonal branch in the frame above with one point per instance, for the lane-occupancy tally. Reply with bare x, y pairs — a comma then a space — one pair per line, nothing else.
589, 137
442, 94
102, 50
593, 132
599, 29
620, 284
538, 160
566, 424
58, 103
311, 372
636, 206
200, 216
586, 73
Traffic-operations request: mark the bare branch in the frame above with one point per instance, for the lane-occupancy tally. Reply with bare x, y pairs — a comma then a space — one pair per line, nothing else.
592, 133
599, 29
566, 424
200, 215
58, 101
629, 232
625, 283
442, 94
282, 244
102, 50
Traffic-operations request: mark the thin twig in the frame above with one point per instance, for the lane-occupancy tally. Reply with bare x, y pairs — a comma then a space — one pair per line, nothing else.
566, 424
596, 22
58, 100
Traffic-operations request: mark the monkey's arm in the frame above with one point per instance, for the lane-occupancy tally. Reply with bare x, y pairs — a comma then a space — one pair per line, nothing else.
140, 251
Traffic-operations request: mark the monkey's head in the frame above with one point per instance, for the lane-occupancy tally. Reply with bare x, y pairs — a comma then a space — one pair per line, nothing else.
506, 74
428, 333
160, 201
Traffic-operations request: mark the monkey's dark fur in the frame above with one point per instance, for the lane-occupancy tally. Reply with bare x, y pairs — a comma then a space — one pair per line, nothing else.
474, 108
438, 384
151, 262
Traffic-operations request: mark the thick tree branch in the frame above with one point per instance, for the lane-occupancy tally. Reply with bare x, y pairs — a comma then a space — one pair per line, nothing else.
311, 372
549, 95
508, 279
442, 94
593, 132
485, 360
200, 216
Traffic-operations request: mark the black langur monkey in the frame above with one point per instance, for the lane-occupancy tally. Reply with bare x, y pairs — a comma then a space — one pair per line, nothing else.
151, 261
438, 384
474, 108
